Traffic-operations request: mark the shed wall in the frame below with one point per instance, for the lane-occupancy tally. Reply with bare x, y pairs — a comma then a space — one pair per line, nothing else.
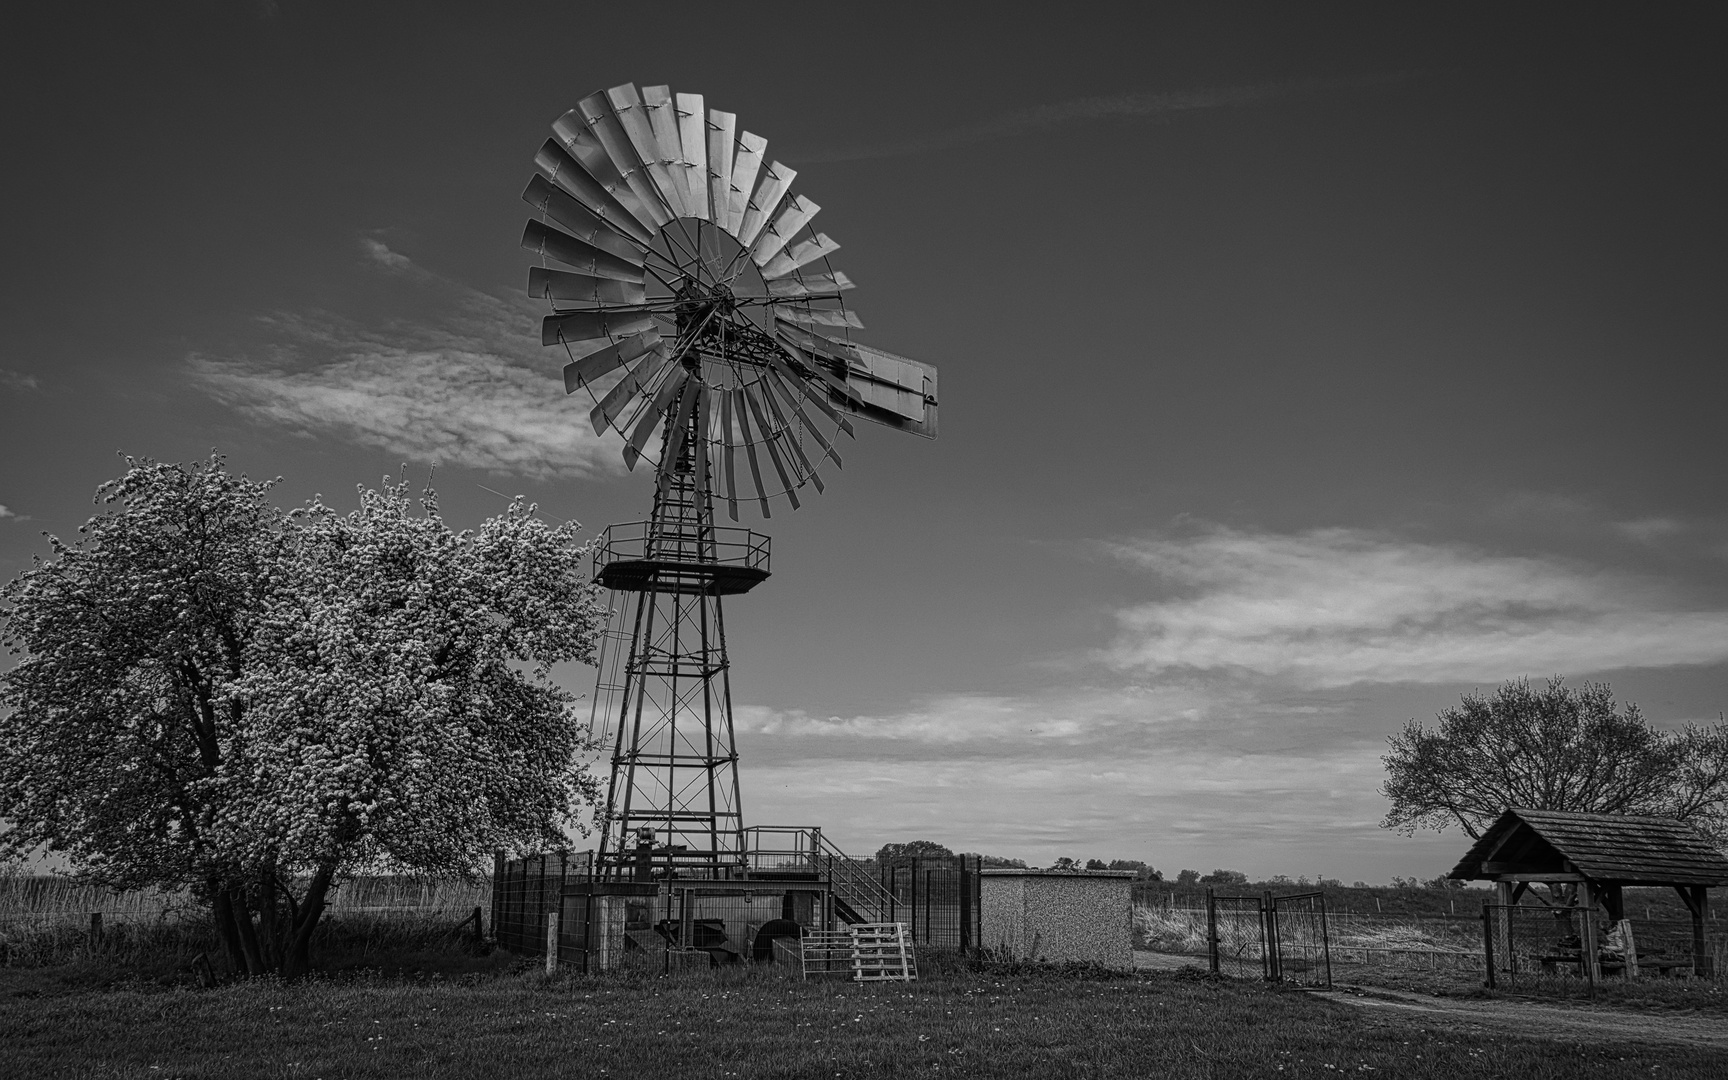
1059, 917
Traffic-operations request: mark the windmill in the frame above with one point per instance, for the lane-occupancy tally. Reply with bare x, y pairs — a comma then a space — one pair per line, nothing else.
700, 312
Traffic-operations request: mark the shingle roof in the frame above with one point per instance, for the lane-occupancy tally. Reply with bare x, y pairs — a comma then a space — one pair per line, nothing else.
1608, 847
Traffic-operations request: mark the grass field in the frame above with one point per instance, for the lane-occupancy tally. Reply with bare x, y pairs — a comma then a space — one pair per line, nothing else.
508, 1022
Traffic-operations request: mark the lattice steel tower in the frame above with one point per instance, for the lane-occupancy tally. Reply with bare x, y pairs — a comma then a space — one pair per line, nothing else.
674, 760
696, 304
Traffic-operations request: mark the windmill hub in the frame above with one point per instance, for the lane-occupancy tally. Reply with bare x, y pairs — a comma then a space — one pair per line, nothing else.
699, 310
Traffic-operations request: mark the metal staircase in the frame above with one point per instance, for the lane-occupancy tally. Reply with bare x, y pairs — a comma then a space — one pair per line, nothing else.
802, 851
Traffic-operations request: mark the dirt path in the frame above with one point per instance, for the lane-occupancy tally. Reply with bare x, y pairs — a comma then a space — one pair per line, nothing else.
1528, 1018
1582, 1023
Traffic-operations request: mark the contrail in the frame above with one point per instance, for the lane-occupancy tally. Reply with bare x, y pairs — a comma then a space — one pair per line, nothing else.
1140, 105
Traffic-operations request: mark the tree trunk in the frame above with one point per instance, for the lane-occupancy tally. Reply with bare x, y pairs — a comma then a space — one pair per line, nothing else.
297, 958
241, 918
222, 909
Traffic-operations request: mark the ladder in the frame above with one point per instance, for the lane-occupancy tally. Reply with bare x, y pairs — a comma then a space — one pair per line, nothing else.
882, 952
868, 952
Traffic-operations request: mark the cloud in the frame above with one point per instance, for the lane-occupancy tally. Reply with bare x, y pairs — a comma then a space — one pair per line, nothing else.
1179, 776
380, 253
1335, 607
17, 380
1652, 530
462, 386
5, 512
1145, 105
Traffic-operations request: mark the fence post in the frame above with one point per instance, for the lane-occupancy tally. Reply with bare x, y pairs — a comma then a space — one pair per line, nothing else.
95, 928
552, 942
1326, 940
1269, 936
1488, 944
1212, 929
965, 907
1587, 948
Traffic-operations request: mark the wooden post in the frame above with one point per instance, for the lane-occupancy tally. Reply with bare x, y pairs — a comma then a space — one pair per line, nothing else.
1589, 955
1269, 937
1212, 929
1488, 936
1503, 927
552, 942
1699, 903
95, 928
1631, 947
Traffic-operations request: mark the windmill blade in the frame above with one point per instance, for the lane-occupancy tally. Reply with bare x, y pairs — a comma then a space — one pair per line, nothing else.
750, 451
799, 458
668, 153
596, 110
817, 396
806, 284
726, 461
678, 434
577, 219
693, 160
551, 243
583, 372
815, 432
565, 171
746, 163
572, 326
768, 439
638, 127
580, 142
635, 381
548, 284
795, 214
802, 255
775, 181
722, 142
652, 414
818, 316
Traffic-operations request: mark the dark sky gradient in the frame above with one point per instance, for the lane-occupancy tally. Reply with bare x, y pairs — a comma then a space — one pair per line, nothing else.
1302, 365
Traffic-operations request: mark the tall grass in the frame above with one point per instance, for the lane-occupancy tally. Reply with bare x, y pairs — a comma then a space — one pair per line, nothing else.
47, 920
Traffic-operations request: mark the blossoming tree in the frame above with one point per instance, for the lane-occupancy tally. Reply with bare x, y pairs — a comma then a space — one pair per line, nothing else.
213, 694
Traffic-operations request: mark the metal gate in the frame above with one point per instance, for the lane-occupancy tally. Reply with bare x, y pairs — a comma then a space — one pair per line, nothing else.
1278, 938
1301, 946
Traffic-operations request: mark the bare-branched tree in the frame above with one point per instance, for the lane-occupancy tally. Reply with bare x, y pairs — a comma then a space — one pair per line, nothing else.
1557, 748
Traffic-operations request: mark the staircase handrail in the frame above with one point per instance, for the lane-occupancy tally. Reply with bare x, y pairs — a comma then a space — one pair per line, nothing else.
844, 872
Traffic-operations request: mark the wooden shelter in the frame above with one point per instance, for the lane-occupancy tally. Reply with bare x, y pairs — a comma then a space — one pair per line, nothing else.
1600, 854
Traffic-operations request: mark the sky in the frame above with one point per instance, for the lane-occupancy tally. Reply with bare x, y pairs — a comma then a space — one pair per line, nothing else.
1303, 366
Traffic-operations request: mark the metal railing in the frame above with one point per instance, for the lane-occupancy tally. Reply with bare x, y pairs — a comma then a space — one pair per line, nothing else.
645, 541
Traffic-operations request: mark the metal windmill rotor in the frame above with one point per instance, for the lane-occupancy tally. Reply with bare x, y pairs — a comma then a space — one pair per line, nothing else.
692, 284
696, 303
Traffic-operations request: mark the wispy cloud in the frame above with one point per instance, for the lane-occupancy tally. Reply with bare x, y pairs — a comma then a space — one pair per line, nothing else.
1334, 607
1240, 715
5, 512
1165, 775
1146, 105
463, 388
17, 380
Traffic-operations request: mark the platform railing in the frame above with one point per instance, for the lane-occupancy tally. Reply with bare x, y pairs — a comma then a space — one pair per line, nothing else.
672, 542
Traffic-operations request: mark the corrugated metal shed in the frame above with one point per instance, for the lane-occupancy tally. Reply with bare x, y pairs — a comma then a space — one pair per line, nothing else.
1606, 848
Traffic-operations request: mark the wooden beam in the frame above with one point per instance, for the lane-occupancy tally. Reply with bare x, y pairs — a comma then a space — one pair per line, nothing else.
1515, 876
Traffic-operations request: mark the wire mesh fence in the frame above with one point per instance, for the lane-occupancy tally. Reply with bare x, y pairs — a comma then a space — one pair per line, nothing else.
937, 898
1564, 951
